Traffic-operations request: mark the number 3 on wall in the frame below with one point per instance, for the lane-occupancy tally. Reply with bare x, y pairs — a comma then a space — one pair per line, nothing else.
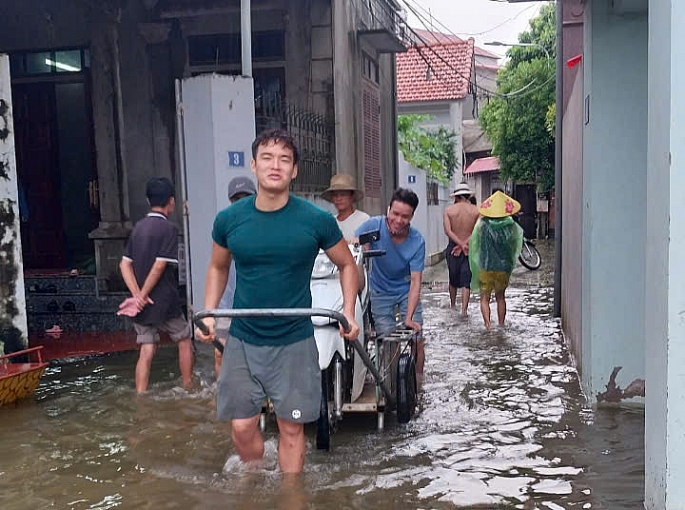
236, 158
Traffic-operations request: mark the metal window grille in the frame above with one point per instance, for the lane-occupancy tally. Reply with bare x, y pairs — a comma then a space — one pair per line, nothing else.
313, 135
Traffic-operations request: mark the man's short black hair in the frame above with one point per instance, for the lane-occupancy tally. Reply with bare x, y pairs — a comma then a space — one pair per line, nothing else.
276, 136
159, 191
406, 196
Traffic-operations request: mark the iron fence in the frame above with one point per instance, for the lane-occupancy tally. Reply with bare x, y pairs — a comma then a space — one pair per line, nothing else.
313, 135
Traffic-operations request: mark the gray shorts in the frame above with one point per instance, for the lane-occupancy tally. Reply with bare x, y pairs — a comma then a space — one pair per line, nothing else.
288, 375
221, 327
177, 328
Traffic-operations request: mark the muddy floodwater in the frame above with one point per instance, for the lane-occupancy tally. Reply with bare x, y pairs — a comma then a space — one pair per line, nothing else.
501, 424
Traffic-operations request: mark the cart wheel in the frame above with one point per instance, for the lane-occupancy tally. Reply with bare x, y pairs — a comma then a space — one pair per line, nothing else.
323, 424
381, 421
262, 422
406, 388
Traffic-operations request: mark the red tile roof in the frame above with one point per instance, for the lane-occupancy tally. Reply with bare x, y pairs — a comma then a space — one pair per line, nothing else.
450, 62
479, 165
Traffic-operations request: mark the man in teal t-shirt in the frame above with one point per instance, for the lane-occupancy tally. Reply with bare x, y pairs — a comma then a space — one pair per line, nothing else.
274, 238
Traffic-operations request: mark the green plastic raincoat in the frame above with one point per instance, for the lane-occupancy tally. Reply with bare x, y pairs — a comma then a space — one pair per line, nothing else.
494, 246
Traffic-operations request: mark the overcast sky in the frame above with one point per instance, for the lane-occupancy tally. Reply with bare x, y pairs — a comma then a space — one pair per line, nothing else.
484, 20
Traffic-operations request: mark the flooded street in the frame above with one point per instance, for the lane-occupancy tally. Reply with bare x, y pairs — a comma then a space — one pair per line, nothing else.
501, 424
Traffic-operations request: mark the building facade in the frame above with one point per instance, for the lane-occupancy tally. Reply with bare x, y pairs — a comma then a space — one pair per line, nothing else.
92, 86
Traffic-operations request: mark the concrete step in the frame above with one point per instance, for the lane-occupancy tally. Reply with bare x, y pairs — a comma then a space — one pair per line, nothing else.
84, 303
60, 284
75, 321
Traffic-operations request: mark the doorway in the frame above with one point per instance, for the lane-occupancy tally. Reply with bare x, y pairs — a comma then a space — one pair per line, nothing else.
56, 173
525, 194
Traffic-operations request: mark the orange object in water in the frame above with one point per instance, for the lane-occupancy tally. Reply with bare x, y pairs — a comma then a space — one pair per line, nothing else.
20, 380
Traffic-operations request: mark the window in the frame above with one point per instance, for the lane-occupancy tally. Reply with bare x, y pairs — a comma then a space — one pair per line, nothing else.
372, 140
370, 69
224, 49
432, 193
49, 62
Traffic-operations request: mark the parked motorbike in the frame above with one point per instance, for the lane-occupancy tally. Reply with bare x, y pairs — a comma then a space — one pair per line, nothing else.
530, 256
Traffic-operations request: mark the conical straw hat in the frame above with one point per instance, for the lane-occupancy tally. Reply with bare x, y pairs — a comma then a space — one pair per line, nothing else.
499, 205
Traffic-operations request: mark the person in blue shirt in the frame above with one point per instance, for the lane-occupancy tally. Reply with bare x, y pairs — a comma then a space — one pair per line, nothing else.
395, 278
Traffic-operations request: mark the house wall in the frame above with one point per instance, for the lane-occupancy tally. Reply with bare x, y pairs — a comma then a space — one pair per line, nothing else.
348, 18
135, 58
480, 184
572, 180
389, 161
427, 218
665, 280
614, 188
442, 113
572, 220
13, 326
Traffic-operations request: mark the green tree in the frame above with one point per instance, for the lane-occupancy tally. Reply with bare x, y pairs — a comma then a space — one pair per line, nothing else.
516, 120
431, 150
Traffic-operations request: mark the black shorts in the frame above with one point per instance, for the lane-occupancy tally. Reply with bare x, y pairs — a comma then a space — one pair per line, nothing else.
458, 268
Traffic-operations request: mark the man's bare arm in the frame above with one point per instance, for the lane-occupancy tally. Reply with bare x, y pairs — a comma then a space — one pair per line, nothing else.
126, 267
153, 277
413, 299
215, 285
217, 275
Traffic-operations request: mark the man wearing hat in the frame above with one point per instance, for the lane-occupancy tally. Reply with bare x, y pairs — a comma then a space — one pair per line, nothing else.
458, 222
495, 245
239, 187
343, 194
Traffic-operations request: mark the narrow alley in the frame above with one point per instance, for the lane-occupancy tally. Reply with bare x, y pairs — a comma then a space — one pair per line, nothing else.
501, 424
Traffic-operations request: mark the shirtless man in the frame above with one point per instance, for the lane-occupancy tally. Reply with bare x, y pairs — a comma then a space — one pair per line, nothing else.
458, 222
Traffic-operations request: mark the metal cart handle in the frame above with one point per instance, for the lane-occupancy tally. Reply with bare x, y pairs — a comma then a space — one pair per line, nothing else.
292, 312
269, 312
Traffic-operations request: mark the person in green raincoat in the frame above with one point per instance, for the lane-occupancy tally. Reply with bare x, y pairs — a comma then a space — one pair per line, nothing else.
494, 247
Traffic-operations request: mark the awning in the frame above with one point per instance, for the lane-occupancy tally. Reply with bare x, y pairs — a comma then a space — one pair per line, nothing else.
479, 165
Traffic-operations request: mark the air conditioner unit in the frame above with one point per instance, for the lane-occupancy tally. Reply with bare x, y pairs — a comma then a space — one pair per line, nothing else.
621, 7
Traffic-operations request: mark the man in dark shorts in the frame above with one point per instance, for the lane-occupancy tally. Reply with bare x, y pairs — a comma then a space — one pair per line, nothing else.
149, 271
274, 238
458, 222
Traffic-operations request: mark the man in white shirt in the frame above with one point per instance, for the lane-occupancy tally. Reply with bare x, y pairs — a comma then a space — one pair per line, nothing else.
343, 194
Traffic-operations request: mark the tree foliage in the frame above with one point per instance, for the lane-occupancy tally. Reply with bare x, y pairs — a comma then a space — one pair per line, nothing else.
431, 150
516, 121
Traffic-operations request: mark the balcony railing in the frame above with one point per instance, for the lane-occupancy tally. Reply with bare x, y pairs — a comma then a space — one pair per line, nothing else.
383, 25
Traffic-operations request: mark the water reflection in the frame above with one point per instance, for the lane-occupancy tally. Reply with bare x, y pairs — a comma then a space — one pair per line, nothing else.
501, 425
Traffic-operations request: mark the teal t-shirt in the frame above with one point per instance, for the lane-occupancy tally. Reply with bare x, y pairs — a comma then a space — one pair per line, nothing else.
274, 254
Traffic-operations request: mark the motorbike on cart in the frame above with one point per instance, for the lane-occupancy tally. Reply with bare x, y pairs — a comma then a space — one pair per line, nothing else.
372, 374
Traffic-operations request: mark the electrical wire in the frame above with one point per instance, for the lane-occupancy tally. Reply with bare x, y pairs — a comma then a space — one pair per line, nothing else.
428, 13
522, 92
392, 14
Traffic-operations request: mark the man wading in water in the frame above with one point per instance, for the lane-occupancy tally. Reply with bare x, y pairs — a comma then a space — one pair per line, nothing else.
274, 238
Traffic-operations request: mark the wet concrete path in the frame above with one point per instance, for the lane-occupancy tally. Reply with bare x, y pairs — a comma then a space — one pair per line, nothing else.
501, 425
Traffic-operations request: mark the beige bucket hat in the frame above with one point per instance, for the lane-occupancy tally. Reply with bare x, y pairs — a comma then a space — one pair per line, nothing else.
342, 182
